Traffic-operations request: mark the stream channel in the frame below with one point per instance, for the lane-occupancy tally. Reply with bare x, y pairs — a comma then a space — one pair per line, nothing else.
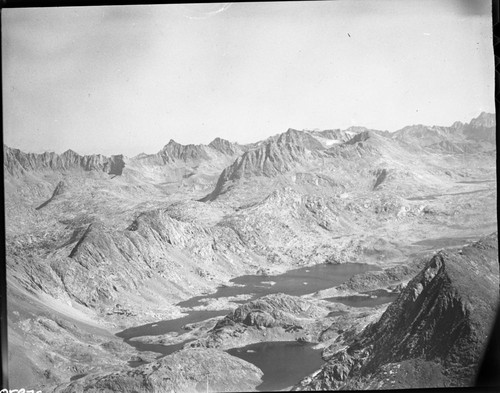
283, 363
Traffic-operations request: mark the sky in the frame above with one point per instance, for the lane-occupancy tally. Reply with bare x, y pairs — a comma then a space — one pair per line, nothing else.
127, 79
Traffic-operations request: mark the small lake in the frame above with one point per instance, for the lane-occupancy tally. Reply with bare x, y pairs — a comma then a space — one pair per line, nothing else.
296, 282
422, 198
163, 327
284, 363
442, 242
366, 299
78, 376
171, 325
475, 181
434, 196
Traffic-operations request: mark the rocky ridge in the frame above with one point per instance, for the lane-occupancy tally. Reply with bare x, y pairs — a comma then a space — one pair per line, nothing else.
270, 159
279, 316
176, 153
335, 167
17, 162
433, 335
479, 129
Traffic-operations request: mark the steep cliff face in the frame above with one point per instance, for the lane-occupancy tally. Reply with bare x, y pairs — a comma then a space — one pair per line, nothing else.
60, 188
433, 335
277, 156
116, 165
274, 157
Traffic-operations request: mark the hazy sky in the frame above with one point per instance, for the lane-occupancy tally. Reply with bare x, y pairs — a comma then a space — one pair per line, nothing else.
128, 79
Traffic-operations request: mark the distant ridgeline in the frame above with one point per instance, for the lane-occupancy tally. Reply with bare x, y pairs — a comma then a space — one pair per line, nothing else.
17, 162
270, 157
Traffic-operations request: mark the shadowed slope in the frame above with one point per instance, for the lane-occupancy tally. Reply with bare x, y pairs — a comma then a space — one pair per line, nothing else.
433, 335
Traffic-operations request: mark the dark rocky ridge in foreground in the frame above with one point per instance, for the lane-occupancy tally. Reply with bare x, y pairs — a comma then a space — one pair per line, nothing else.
189, 370
433, 335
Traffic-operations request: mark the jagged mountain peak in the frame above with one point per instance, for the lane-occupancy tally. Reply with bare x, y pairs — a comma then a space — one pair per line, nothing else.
218, 140
299, 138
356, 129
484, 120
485, 115
442, 292
276, 156
195, 158
70, 152
363, 137
176, 151
297, 150
225, 147
295, 132
170, 143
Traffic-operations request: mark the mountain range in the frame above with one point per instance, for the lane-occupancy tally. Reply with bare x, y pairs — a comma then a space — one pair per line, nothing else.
98, 244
